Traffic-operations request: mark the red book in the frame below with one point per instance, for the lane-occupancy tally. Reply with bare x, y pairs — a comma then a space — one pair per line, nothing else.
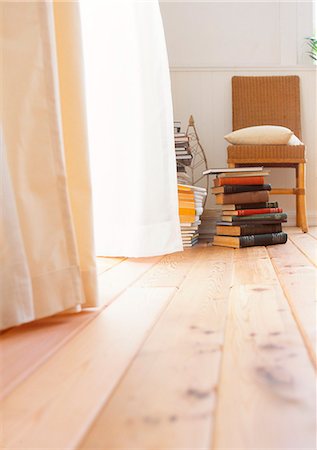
250, 212
238, 180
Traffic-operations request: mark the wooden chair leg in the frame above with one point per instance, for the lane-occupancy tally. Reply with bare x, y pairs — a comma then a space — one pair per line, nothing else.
301, 197
298, 224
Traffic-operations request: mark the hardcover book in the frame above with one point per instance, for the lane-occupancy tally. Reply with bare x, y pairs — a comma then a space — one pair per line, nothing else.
242, 197
247, 229
234, 188
259, 173
232, 170
250, 206
262, 218
250, 212
251, 240
238, 180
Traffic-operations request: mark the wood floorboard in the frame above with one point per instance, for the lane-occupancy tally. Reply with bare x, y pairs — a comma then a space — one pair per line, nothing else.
170, 270
313, 232
112, 283
23, 349
56, 405
167, 398
106, 263
306, 244
298, 278
263, 402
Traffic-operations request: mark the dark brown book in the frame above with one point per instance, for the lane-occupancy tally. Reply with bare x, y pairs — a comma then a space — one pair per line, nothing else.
242, 197
250, 240
250, 206
247, 229
259, 218
235, 188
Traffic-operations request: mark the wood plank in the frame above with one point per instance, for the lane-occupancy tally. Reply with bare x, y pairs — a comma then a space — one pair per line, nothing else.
298, 278
171, 270
306, 244
112, 283
292, 230
267, 387
55, 406
167, 398
23, 349
106, 263
251, 265
313, 232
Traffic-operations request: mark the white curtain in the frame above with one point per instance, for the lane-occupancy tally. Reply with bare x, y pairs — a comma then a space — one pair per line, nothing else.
47, 262
130, 128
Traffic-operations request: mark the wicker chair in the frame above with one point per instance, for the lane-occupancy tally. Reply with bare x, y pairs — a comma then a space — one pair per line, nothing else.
270, 101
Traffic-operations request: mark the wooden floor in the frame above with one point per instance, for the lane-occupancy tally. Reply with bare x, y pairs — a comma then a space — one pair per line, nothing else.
211, 348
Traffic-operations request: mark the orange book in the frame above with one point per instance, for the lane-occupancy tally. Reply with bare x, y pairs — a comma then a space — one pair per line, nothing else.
183, 188
187, 197
238, 180
186, 219
182, 204
186, 211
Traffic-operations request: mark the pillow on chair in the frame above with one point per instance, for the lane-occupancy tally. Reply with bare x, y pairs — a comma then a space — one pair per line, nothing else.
294, 141
263, 134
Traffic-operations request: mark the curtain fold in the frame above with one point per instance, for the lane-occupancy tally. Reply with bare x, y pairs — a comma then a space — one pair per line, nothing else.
47, 261
130, 128
73, 109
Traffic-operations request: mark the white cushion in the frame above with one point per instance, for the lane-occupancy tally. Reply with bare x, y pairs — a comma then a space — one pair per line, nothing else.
294, 141
263, 134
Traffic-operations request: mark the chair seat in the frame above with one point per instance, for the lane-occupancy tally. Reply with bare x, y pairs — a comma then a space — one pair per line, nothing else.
266, 154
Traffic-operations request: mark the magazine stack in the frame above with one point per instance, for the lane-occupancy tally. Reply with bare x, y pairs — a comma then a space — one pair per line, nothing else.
191, 200
183, 154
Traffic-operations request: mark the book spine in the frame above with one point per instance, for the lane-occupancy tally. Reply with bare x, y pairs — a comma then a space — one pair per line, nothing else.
187, 219
277, 217
246, 230
183, 211
235, 188
242, 197
263, 239
237, 180
186, 205
249, 212
256, 205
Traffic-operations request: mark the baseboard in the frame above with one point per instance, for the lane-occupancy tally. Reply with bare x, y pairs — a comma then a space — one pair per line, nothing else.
311, 218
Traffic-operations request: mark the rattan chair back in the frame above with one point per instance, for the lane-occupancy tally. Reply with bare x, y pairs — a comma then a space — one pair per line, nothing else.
269, 100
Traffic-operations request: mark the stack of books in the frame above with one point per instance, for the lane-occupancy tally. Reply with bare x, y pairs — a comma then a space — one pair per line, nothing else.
248, 217
183, 154
190, 200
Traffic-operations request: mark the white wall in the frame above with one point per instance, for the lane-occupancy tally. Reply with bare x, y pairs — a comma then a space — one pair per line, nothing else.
209, 42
